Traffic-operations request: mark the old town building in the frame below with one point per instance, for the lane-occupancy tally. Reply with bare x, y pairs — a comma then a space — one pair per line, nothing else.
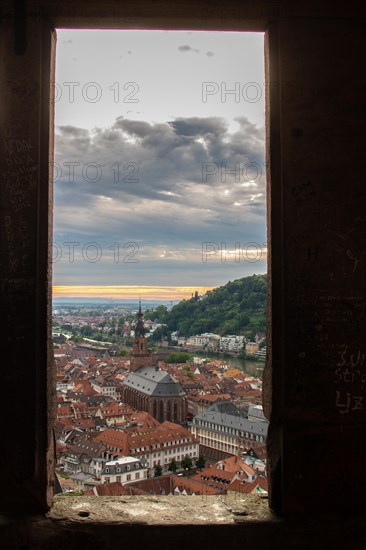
158, 446
150, 389
223, 430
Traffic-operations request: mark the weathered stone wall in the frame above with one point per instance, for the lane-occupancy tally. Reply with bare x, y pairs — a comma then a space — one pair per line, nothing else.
319, 347
315, 392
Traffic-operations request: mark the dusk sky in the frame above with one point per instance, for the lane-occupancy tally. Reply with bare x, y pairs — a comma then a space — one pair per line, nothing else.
150, 126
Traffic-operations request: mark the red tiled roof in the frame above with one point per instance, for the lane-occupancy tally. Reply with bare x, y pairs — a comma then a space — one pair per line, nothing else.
114, 409
127, 443
232, 467
86, 423
114, 439
215, 397
193, 486
145, 419
262, 482
114, 489
239, 487
250, 487
260, 451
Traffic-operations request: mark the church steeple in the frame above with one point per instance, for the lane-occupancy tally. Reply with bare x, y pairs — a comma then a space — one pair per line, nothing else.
140, 355
140, 329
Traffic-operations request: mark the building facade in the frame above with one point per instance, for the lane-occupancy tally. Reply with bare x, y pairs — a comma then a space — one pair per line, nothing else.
158, 446
124, 470
221, 431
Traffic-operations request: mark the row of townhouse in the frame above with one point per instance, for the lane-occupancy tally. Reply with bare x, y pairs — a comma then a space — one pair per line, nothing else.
220, 430
84, 455
114, 413
157, 446
110, 388
231, 343
215, 342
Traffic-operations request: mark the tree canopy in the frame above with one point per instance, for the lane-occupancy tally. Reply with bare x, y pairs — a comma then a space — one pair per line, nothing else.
239, 307
178, 357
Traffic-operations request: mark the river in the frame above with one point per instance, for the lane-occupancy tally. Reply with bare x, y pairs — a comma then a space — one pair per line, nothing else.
254, 368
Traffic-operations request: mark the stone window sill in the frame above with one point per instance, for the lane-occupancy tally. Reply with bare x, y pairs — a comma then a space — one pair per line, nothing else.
162, 510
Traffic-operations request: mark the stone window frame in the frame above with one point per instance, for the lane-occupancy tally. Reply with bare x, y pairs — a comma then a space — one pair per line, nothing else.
54, 16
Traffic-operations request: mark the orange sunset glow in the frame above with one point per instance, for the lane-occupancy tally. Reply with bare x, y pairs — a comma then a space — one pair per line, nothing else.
129, 292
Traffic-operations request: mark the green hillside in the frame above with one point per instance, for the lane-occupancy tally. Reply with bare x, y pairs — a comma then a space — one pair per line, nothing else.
239, 307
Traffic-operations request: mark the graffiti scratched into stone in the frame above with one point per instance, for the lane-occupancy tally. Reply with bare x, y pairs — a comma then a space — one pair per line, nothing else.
346, 402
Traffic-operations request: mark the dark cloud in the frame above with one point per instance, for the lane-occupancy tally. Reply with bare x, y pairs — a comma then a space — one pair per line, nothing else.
187, 48
166, 186
210, 54
195, 126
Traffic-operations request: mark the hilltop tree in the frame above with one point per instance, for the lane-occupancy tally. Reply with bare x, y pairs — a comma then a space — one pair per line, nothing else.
159, 314
235, 308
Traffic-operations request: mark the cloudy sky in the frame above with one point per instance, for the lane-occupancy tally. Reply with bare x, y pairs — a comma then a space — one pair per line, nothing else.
159, 162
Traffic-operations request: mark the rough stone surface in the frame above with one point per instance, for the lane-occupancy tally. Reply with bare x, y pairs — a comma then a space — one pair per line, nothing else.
162, 510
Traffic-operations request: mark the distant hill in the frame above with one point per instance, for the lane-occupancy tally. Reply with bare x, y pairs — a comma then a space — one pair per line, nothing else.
239, 307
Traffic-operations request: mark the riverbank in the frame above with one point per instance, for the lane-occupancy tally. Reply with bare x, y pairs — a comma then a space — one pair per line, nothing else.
253, 367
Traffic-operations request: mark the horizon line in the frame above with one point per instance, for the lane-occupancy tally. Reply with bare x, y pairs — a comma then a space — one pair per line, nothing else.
125, 292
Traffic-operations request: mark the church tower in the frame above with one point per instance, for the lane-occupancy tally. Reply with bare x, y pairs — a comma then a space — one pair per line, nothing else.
140, 355
150, 389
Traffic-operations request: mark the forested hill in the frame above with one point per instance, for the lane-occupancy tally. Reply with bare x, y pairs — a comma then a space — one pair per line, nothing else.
239, 307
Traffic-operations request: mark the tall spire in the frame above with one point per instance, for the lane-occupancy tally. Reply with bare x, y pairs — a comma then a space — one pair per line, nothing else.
140, 354
140, 329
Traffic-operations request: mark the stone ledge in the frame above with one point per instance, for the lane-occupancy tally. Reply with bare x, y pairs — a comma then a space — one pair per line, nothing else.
182, 523
162, 510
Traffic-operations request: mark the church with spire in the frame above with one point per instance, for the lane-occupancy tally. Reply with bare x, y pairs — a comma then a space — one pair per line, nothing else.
147, 388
